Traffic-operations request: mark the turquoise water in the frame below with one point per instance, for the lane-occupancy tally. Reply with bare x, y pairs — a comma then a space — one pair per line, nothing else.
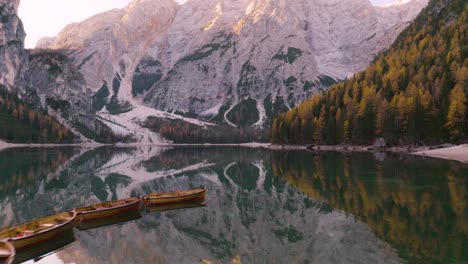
265, 206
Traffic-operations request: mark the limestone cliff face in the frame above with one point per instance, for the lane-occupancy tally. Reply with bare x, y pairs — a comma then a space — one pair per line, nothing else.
267, 55
61, 87
45, 79
105, 47
218, 58
13, 57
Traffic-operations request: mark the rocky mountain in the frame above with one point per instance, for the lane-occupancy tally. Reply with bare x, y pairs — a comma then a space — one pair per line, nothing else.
13, 57
50, 83
61, 88
223, 60
43, 79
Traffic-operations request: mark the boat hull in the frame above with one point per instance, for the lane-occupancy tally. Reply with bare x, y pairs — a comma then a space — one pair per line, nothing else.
85, 216
41, 250
117, 219
43, 236
163, 199
7, 252
174, 206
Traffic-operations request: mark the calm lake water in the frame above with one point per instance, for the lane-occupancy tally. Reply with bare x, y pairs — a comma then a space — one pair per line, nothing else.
268, 206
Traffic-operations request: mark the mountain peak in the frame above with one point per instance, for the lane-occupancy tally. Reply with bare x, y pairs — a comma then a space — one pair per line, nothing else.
216, 58
148, 6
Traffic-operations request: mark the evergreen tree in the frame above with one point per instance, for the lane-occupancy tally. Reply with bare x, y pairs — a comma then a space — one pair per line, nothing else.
415, 92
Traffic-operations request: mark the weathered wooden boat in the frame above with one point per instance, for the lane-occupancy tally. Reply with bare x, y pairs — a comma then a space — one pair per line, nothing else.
42, 250
7, 252
108, 209
175, 197
39, 230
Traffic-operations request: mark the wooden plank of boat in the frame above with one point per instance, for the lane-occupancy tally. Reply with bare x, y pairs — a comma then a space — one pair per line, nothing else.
173, 206
175, 197
39, 230
7, 252
108, 209
110, 221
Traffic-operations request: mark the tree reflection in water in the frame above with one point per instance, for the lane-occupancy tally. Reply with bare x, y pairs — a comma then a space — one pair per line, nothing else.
419, 206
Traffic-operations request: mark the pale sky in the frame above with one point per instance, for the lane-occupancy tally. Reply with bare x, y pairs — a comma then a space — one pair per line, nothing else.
42, 18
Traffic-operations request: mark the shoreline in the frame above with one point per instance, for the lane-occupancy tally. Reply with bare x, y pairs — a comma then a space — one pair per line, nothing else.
444, 151
458, 153
4, 145
448, 152
356, 148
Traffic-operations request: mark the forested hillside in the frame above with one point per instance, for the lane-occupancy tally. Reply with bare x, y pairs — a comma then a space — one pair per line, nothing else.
416, 92
21, 123
182, 132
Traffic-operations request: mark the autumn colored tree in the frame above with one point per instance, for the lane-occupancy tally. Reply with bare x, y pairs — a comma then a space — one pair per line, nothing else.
23, 123
416, 92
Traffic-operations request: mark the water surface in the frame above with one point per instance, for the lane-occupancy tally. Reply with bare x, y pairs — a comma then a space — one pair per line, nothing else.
267, 207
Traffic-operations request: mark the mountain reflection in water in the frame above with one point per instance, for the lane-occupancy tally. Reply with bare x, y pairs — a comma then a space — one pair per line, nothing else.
268, 206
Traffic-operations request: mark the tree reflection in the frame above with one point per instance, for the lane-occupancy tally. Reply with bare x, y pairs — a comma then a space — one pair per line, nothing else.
20, 168
419, 206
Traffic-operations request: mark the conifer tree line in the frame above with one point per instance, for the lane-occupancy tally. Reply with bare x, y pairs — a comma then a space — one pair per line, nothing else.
416, 92
186, 133
22, 123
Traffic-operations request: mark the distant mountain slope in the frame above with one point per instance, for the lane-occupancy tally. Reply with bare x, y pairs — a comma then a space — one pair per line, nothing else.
22, 123
416, 92
235, 62
21, 119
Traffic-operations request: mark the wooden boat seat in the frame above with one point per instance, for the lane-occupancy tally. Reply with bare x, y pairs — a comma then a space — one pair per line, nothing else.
61, 220
4, 253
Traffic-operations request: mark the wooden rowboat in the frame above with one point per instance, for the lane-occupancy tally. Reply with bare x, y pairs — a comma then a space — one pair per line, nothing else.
7, 252
39, 230
175, 197
108, 209
41, 250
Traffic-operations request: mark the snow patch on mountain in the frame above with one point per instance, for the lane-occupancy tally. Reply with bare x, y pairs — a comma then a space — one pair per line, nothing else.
130, 123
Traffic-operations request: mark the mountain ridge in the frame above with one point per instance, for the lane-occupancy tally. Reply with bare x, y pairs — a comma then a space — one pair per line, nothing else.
235, 64
206, 57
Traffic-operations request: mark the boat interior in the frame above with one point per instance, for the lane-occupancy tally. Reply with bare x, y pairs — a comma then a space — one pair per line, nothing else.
176, 193
106, 205
36, 226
